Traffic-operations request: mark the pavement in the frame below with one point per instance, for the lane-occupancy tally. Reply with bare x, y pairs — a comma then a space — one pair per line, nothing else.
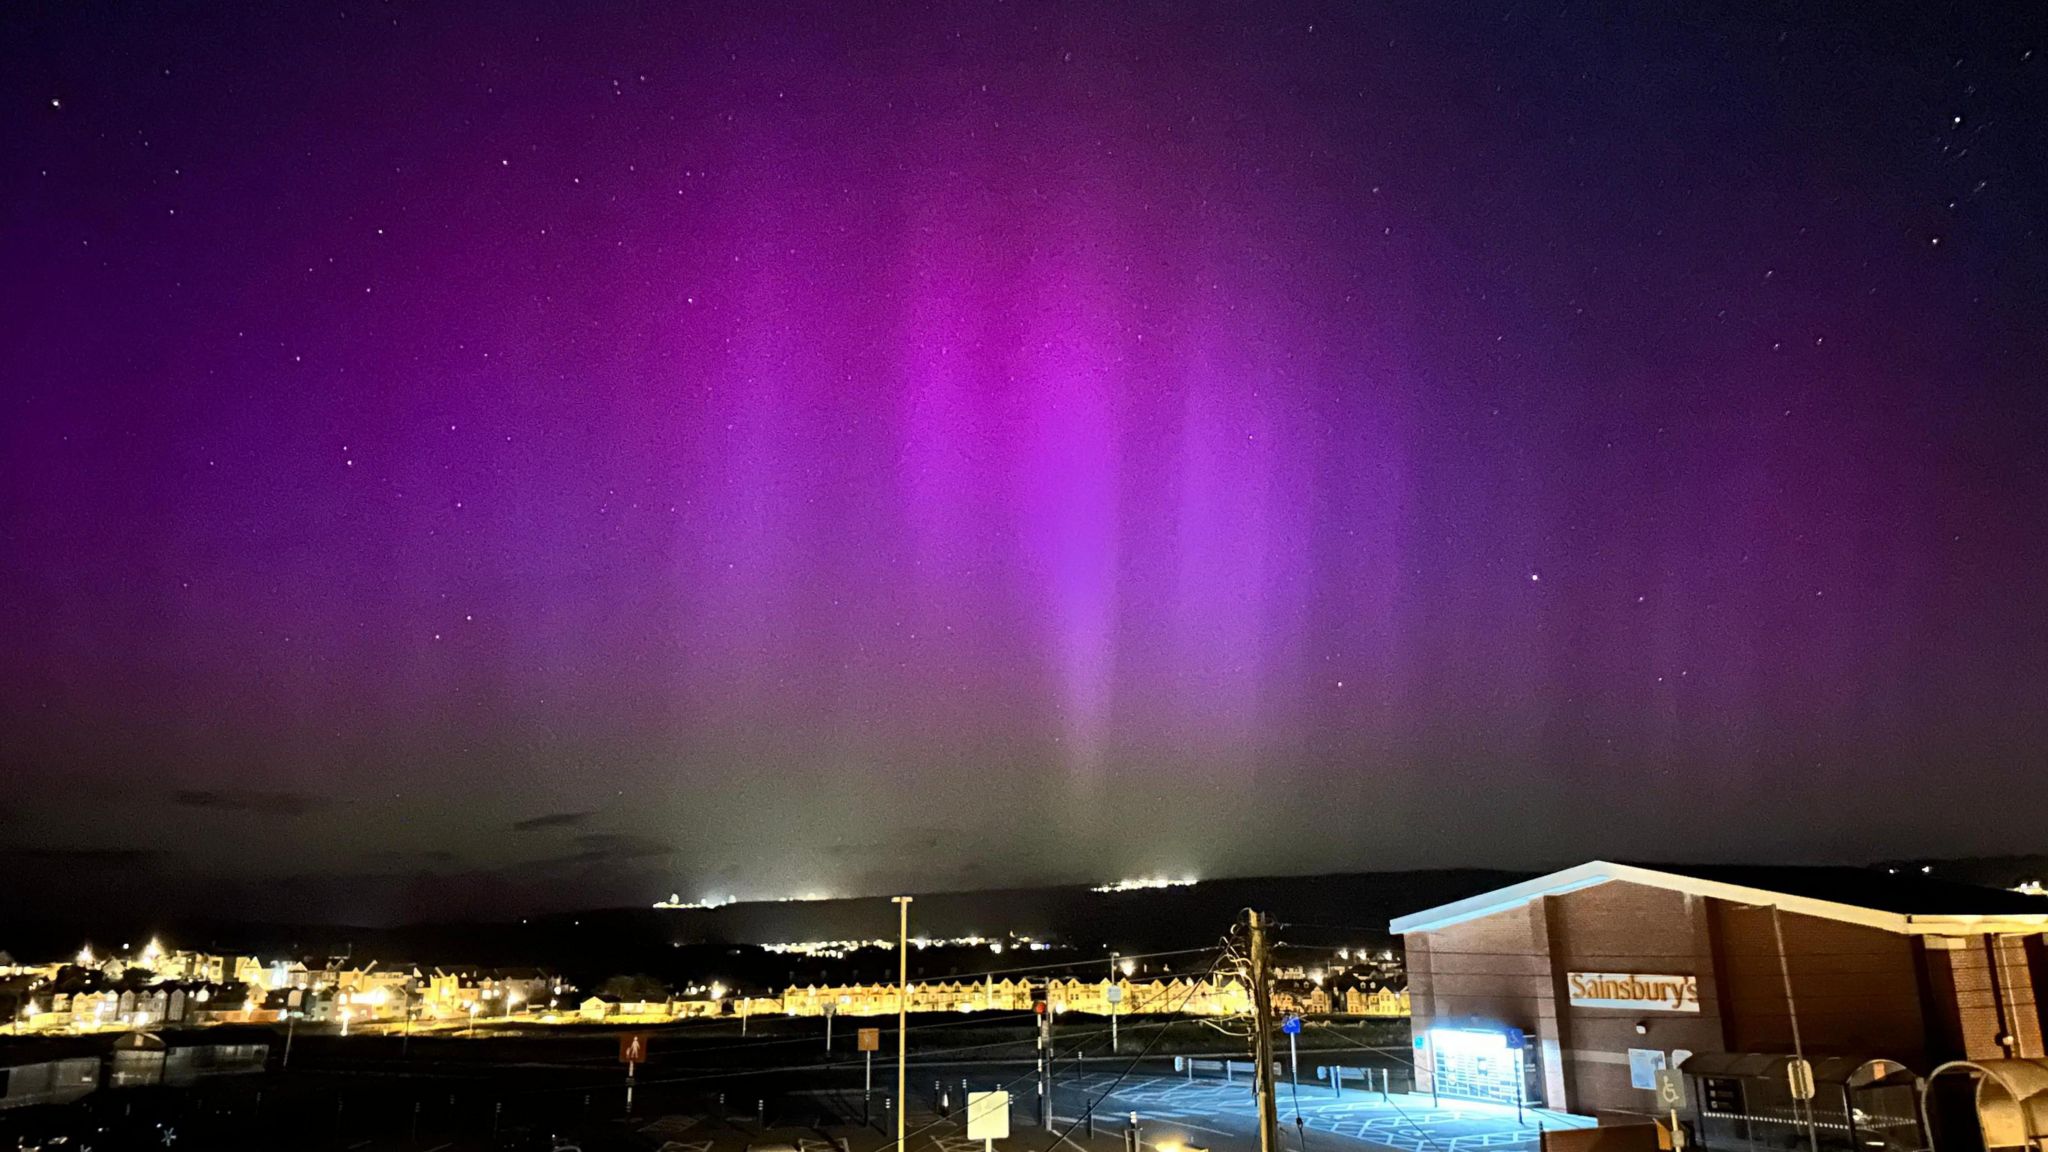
1175, 1114
1223, 1116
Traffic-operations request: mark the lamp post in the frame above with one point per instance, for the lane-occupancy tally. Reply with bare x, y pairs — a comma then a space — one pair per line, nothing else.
1113, 997
902, 1018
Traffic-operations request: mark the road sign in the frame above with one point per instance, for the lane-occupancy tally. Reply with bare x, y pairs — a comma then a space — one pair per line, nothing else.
1291, 1025
870, 1040
1114, 994
1799, 1076
633, 1048
988, 1115
1670, 1089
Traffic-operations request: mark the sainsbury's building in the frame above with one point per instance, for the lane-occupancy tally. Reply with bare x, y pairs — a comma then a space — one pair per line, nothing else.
1571, 990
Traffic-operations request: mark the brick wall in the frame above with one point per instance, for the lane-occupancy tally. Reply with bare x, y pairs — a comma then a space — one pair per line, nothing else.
1985, 988
1856, 988
1494, 971
1634, 928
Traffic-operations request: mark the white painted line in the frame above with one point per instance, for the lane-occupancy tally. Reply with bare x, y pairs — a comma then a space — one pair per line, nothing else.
1185, 1124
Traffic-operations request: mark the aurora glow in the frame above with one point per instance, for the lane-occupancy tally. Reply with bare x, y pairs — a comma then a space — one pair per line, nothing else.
522, 455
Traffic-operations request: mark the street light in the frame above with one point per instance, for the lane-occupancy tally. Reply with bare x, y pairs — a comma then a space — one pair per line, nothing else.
1113, 993
902, 1019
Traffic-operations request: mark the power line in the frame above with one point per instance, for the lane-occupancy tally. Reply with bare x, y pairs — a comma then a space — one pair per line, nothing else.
1089, 1108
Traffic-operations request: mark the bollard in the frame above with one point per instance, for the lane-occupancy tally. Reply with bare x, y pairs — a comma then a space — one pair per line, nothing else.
761, 1114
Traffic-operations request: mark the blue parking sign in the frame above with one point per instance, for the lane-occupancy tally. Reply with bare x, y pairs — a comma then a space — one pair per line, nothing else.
1291, 1025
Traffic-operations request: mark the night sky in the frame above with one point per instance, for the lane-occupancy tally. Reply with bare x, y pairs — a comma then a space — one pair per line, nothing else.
497, 455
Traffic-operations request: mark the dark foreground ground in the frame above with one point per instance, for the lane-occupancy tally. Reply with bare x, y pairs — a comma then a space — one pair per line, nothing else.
706, 1088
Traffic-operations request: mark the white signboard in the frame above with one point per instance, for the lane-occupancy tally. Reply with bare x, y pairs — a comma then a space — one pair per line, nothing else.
1633, 991
988, 1115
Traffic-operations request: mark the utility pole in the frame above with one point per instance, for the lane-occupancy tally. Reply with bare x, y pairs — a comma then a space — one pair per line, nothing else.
1262, 1035
1045, 1061
902, 1020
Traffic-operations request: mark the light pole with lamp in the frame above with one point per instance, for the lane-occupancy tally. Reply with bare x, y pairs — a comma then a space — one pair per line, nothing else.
902, 1018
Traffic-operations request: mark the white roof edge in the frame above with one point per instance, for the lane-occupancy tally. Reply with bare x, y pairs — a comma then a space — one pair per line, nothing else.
1595, 872
1501, 899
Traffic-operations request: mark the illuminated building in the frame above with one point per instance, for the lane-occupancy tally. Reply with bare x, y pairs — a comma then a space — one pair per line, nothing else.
1572, 989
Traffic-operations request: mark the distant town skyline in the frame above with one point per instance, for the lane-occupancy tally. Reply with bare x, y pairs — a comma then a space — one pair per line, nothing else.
480, 459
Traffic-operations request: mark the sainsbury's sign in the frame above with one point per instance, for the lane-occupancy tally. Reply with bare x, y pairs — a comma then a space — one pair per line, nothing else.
1632, 990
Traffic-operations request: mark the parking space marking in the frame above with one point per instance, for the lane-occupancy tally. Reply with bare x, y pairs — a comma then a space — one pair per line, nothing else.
1384, 1123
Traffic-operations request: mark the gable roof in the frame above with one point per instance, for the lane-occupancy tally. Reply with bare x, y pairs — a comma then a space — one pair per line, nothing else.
1906, 903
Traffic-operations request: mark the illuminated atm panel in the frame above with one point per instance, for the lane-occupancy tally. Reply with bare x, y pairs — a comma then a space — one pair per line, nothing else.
1477, 1064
